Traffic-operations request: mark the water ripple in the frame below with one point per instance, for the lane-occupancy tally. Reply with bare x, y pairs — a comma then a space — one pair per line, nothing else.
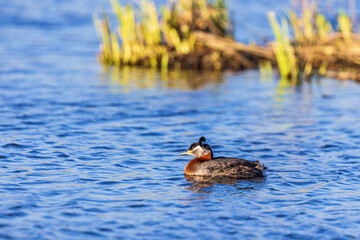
91, 153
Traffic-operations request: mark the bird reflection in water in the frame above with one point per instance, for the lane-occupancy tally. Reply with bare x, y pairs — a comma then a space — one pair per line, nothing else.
201, 184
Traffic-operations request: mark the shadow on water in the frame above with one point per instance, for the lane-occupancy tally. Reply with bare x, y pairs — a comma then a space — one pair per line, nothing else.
200, 184
129, 78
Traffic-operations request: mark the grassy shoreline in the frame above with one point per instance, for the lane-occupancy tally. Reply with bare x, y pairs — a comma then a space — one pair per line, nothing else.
197, 34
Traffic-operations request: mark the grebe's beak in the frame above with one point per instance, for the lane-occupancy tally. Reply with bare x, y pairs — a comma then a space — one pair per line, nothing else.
188, 152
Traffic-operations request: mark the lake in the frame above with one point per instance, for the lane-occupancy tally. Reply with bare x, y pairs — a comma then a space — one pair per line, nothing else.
92, 153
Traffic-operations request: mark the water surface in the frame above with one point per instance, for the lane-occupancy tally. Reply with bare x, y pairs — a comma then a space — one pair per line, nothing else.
91, 153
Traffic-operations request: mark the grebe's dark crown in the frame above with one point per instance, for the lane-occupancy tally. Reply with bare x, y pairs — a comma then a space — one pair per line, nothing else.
200, 143
202, 140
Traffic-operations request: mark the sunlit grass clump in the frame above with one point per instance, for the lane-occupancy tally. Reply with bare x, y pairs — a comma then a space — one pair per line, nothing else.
308, 44
197, 34
147, 39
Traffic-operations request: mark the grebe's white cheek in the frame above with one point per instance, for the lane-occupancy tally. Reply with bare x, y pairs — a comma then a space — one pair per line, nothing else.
198, 151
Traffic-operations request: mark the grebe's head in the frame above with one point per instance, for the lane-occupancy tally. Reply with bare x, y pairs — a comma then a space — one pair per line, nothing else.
198, 149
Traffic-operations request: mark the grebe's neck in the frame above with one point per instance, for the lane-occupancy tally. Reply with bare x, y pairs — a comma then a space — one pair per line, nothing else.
191, 166
206, 157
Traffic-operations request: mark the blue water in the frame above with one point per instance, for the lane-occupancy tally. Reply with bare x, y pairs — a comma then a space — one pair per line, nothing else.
91, 153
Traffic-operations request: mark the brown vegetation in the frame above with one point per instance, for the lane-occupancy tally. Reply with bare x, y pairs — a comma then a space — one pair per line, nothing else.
197, 34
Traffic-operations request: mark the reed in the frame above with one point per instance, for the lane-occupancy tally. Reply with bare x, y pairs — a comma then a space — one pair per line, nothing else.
284, 51
316, 48
144, 38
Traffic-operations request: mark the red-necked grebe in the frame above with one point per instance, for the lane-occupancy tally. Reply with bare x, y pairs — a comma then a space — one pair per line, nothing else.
204, 164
